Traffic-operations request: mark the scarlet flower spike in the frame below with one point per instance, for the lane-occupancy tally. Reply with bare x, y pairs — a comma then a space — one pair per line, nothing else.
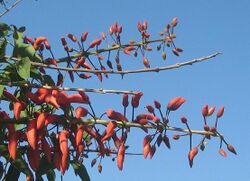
176, 52
85, 76
64, 163
152, 151
47, 45
109, 131
72, 37
41, 120
103, 35
145, 25
174, 22
12, 144
127, 50
150, 108
205, 110
79, 134
193, 152
223, 153
157, 104
111, 31
77, 98
144, 116
220, 112
100, 168
63, 41
17, 110
146, 140
38, 42
231, 149
139, 26
164, 55
32, 133
51, 119
84, 36
81, 112
125, 100
94, 43
10, 96
146, 150
115, 26
183, 119
136, 99
59, 79
119, 30
63, 141
86, 65
175, 103
28, 39
115, 115
146, 62
211, 111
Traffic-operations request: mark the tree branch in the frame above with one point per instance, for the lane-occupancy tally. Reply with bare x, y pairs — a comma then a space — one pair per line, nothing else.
120, 124
102, 91
116, 47
9, 8
157, 69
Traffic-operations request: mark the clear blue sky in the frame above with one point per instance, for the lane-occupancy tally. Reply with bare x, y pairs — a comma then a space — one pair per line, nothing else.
205, 27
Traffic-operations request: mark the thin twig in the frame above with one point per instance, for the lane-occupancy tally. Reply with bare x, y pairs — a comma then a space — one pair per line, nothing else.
23, 148
157, 69
116, 47
120, 124
112, 152
102, 91
9, 8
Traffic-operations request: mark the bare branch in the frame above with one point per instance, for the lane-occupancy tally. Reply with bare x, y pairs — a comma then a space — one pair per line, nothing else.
102, 91
9, 8
157, 69
120, 124
116, 47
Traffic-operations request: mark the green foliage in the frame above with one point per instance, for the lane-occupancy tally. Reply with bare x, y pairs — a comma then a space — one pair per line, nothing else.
51, 176
18, 34
1, 90
23, 67
3, 44
26, 50
12, 174
80, 170
4, 29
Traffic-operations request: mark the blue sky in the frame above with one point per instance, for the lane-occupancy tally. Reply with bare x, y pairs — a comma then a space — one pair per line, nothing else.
204, 27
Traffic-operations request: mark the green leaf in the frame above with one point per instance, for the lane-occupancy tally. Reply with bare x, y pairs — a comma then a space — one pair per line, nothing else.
22, 29
4, 28
1, 90
51, 176
22, 166
86, 137
3, 44
3, 148
48, 80
44, 166
18, 34
23, 67
1, 169
13, 173
80, 170
18, 126
39, 177
34, 73
26, 50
